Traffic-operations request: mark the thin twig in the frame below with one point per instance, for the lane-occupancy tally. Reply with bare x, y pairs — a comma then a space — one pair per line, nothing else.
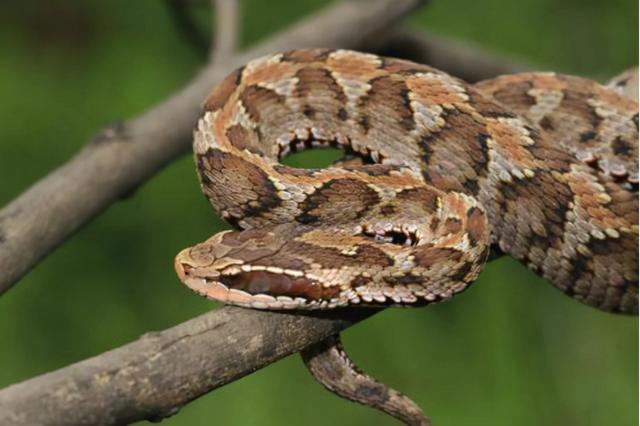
159, 373
122, 157
225, 29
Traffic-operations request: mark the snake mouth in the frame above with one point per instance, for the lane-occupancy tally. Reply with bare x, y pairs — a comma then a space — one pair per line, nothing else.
255, 286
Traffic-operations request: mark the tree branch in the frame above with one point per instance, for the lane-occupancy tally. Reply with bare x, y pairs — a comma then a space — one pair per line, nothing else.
226, 32
122, 157
460, 58
156, 375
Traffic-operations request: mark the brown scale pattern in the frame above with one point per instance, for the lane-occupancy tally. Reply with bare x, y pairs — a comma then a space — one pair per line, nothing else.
591, 121
338, 201
455, 156
546, 163
538, 165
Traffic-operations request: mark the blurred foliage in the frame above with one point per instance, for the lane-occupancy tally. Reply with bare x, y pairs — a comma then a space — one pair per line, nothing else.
509, 351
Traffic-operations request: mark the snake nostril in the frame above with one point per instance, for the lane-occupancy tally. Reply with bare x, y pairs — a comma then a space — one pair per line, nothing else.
182, 269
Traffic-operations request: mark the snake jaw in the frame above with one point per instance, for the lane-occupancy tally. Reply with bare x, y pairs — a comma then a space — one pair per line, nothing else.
239, 283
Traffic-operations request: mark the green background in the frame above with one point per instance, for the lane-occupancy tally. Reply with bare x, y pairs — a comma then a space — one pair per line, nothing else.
509, 351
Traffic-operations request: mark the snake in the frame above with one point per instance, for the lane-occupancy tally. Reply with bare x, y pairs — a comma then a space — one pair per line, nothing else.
437, 177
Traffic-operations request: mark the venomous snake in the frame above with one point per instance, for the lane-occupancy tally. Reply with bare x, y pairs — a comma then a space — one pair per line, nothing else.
437, 174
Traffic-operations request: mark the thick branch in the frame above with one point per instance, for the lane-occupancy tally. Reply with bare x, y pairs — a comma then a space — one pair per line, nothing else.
154, 376
460, 58
123, 156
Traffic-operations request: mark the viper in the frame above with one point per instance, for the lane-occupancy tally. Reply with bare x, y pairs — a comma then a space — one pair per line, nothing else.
437, 176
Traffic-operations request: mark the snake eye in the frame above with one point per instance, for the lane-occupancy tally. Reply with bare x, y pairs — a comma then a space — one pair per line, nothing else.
400, 235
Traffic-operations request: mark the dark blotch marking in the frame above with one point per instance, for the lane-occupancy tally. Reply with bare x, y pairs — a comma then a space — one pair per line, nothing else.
483, 155
583, 272
359, 281
485, 106
256, 98
309, 111
240, 137
221, 93
541, 193
428, 198
621, 147
577, 104
338, 200
516, 94
546, 123
426, 256
307, 55
318, 80
220, 171
462, 144
387, 210
332, 256
373, 256
462, 272
364, 123
407, 117
587, 136
453, 225
426, 146
394, 95
342, 114
404, 280
476, 225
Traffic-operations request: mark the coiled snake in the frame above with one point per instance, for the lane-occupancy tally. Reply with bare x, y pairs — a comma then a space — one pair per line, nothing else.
437, 174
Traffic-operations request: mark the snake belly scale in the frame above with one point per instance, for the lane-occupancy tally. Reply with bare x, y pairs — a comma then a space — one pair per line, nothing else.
436, 174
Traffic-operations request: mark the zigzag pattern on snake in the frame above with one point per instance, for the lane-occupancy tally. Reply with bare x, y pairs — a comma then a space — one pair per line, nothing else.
436, 174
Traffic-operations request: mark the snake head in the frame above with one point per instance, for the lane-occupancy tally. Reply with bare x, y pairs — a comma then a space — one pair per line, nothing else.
257, 268
296, 266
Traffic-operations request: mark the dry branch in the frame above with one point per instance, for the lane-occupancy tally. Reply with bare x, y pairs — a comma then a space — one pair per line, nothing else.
460, 58
156, 375
122, 157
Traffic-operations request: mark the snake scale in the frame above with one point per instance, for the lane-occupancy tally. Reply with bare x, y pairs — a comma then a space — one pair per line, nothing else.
437, 174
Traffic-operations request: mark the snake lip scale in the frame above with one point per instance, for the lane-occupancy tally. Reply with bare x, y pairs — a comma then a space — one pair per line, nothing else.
436, 174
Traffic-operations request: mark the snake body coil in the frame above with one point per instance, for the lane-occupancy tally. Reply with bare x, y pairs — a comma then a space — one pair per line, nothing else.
437, 172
